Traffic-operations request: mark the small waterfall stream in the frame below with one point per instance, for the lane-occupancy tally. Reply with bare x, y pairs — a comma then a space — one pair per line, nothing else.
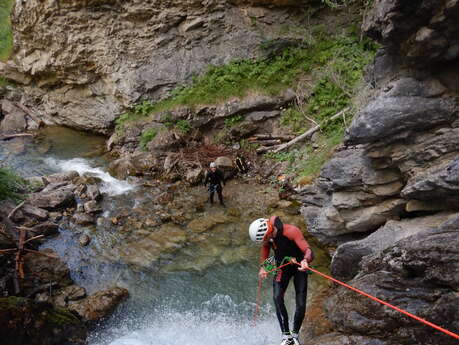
202, 294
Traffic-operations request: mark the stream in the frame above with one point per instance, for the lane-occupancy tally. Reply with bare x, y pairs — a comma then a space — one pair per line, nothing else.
199, 292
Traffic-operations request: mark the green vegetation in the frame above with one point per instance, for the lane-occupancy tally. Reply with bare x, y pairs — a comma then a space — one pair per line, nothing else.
10, 184
326, 70
332, 87
6, 36
233, 121
147, 136
183, 126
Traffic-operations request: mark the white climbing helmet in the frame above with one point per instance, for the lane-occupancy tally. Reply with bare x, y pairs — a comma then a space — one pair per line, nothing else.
213, 165
258, 229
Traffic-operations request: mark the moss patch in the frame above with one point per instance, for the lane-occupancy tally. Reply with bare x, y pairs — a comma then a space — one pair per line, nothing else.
6, 36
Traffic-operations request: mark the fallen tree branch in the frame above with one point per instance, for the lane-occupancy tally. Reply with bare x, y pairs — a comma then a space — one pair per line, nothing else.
41, 253
307, 134
11, 214
34, 238
271, 137
8, 250
11, 136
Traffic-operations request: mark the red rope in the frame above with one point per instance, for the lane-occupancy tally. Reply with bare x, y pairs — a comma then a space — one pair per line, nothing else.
428, 323
257, 304
441, 329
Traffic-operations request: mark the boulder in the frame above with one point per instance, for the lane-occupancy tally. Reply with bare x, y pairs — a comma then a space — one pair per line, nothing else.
34, 212
100, 304
65, 296
41, 270
93, 192
84, 240
14, 120
134, 165
224, 163
25, 322
66, 176
346, 259
54, 200
46, 229
83, 218
92, 207
194, 176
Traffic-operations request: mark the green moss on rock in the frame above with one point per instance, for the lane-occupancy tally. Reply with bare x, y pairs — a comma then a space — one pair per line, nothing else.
25, 322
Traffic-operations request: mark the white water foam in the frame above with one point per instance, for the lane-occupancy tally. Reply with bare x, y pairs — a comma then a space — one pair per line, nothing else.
195, 327
110, 185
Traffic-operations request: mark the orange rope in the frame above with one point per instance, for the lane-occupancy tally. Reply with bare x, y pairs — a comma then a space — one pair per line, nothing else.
428, 323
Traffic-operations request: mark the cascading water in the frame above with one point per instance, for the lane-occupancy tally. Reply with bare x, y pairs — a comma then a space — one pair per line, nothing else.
202, 293
110, 185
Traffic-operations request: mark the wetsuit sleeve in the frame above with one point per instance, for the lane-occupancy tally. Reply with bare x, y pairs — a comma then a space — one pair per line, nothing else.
264, 251
295, 234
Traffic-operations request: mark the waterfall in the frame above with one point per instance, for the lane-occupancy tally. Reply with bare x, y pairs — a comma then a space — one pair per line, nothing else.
217, 321
110, 185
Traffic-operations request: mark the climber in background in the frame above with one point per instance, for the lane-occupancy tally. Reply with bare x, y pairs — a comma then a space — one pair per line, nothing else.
216, 182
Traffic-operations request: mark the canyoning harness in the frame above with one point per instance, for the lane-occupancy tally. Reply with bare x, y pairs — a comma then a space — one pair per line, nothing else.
270, 264
213, 188
311, 269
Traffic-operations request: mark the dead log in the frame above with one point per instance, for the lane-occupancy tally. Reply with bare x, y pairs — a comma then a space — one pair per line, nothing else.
258, 137
306, 134
11, 214
264, 149
269, 142
11, 136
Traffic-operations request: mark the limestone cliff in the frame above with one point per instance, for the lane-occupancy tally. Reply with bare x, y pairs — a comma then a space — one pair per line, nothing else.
81, 63
389, 198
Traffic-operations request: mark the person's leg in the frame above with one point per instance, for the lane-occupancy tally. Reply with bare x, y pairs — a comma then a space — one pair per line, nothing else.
220, 195
280, 284
211, 194
300, 281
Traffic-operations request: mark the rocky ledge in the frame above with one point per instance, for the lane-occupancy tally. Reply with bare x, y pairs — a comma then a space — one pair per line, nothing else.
45, 306
387, 201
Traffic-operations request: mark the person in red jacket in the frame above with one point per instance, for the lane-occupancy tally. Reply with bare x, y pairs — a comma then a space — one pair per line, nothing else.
286, 241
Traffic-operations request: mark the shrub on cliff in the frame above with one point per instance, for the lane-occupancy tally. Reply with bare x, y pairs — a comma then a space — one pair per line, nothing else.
6, 36
10, 184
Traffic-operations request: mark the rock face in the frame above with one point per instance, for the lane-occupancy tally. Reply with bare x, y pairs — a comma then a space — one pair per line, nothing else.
419, 274
388, 199
422, 31
103, 56
23, 321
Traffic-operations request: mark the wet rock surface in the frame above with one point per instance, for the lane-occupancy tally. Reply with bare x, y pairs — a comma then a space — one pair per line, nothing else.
100, 304
23, 321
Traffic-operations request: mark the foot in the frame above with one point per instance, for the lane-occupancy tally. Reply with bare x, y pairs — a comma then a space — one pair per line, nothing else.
295, 339
287, 340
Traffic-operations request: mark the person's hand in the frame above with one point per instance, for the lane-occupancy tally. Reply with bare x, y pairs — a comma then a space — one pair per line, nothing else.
262, 273
294, 261
304, 265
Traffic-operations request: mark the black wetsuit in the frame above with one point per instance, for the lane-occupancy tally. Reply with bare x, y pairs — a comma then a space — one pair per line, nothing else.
289, 246
215, 180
